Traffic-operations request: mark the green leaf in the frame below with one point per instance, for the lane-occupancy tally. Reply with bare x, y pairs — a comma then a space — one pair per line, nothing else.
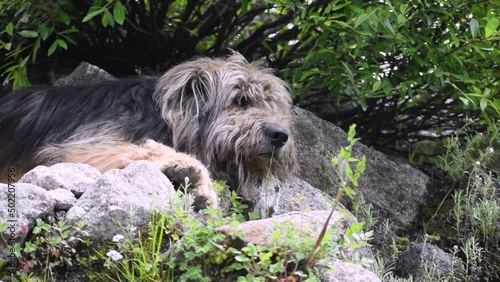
361, 165
62, 43
348, 71
388, 24
334, 161
464, 100
363, 103
361, 19
93, 11
104, 20
349, 191
45, 31
63, 17
68, 39
108, 15
35, 49
491, 26
244, 6
52, 48
9, 29
351, 133
401, 19
3, 226
69, 30
28, 33
24, 62
37, 230
483, 103
119, 12
341, 23
474, 24
344, 154
308, 73
376, 85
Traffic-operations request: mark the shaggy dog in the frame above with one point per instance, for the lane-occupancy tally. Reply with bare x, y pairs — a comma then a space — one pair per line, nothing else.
227, 115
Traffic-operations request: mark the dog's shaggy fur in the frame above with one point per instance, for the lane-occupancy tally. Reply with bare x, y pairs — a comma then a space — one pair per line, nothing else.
232, 115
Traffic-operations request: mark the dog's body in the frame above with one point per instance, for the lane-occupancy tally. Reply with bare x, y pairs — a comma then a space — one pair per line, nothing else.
31, 119
231, 115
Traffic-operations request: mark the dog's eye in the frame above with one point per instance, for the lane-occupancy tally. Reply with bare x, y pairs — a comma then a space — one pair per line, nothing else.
241, 101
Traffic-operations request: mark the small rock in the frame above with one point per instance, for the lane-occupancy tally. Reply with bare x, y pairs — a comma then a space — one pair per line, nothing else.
341, 271
85, 74
64, 199
309, 224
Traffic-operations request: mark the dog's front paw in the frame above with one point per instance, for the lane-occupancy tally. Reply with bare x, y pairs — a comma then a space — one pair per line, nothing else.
178, 174
179, 166
198, 182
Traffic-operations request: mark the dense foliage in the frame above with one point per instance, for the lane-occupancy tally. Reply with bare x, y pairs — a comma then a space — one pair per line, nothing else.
402, 70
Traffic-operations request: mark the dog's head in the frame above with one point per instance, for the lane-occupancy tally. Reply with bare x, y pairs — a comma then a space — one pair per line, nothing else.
232, 115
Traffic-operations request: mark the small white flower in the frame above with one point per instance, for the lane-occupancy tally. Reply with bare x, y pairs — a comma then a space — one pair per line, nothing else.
118, 238
478, 163
114, 255
489, 150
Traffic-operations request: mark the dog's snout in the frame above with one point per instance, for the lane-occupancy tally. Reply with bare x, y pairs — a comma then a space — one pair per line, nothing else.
278, 135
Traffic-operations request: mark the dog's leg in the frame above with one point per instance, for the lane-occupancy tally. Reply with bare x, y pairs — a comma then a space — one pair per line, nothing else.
178, 166
110, 154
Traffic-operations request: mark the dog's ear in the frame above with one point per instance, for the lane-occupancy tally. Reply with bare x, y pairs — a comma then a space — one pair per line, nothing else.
184, 90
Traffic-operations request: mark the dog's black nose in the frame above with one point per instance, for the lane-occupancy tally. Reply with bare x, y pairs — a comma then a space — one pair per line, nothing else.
277, 135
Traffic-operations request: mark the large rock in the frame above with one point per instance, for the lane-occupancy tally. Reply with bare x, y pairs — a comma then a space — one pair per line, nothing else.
395, 188
122, 201
307, 225
310, 224
27, 203
427, 262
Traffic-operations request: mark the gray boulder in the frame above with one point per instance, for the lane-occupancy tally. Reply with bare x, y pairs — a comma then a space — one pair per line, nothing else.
28, 202
309, 225
395, 188
122, 201
426, 262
